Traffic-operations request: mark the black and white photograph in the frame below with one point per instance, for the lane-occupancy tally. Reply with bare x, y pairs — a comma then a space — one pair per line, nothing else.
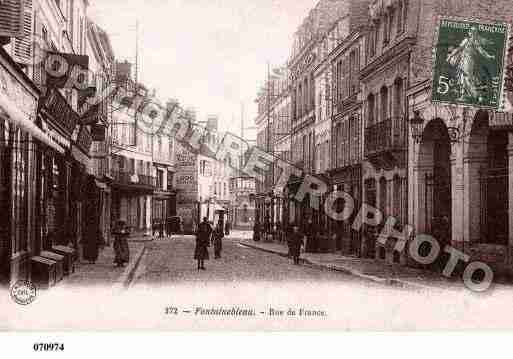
242, 165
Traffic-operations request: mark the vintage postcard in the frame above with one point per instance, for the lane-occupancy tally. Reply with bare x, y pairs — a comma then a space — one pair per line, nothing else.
259, 165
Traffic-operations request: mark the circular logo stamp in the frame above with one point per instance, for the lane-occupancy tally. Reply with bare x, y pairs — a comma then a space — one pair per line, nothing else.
23, 292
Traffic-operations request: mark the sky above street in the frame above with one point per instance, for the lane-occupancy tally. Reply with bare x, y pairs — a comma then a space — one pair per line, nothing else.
210, 54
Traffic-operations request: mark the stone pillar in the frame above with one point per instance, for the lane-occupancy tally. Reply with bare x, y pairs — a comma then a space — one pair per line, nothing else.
457, 195
472, 167
148, 218
423, 168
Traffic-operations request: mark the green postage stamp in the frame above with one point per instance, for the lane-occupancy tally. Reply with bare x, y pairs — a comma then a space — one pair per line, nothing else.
469, 63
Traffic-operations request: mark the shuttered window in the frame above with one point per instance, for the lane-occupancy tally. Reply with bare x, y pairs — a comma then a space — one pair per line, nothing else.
23, 45
11, 18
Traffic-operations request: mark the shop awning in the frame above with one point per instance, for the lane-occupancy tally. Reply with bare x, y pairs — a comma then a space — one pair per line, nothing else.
20, 119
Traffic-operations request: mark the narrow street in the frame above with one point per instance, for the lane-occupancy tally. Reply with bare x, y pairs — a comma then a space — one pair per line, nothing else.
171, 261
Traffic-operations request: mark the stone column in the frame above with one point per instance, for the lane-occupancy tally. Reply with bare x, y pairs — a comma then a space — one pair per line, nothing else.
457, 194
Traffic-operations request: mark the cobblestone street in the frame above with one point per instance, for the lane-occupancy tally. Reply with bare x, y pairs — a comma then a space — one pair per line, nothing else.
171, 261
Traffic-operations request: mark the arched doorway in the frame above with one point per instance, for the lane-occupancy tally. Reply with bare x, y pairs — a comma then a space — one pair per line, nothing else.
488, 183
434, 183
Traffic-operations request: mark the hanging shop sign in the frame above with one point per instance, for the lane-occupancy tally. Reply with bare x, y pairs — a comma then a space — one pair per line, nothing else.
84, 139
83, 159
91, 116
56, 106
55, 135
66, 70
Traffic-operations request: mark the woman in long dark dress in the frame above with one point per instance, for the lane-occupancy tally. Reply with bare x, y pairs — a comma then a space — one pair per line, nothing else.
91, 235
202, 243
295, 241
121, 249
218, 240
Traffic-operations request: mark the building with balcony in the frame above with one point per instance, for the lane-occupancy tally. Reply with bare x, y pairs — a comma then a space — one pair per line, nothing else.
101, 65
347, 56
133, 173
164, 196
309, 71
202, 182
460, 159
384, 79
52, 205
273, 136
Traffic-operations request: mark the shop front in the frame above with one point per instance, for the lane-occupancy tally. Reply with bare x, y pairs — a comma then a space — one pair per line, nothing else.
61, 174
22, 148
347, 240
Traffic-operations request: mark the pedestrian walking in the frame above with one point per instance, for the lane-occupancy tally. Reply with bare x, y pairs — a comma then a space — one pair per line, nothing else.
169, 226
92, 238
217, 238
227, 228
295, 241
161, 228
121, 249
202, 243
256, 232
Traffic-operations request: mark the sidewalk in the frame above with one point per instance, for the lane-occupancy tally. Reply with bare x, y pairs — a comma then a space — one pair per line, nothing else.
370, 269
104, 272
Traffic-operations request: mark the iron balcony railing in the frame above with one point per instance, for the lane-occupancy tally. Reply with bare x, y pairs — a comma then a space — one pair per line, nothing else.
387, 135
128, 178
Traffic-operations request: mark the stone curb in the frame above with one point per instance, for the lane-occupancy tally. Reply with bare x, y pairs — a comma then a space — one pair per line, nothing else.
331, 267
128, 275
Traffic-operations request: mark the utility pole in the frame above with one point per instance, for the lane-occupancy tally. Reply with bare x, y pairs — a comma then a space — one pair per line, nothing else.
241, 162
268, 113
136, 79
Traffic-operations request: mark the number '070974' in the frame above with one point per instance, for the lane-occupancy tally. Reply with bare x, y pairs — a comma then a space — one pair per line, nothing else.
48, 347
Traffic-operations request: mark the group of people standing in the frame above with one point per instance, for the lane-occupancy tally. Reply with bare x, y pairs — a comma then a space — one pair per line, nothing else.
206, 235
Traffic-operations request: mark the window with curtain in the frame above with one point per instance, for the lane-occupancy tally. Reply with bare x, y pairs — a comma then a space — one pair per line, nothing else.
399, 17
397, 210
398, 92
385, 30
405, 15
384, 103
383, 195
370, 110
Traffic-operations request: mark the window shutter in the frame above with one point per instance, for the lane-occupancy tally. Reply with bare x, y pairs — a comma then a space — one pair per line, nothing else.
11, 18
23, 45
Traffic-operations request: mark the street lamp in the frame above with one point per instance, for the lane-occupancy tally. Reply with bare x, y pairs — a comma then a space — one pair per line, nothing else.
416, 124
